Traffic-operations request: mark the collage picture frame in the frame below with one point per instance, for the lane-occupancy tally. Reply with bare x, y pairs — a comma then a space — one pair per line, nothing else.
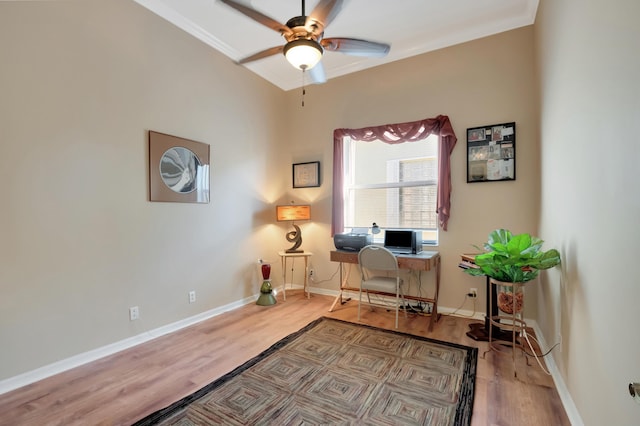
491, 153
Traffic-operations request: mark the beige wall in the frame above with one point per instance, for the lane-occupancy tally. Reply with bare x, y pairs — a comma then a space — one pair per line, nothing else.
80, 85
82, 82
589, 66
85, 82
486, 81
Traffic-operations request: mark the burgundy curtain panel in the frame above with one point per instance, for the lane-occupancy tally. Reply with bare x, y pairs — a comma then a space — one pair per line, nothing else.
392, 134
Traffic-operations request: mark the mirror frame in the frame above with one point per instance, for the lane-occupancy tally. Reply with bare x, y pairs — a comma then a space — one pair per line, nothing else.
159, 143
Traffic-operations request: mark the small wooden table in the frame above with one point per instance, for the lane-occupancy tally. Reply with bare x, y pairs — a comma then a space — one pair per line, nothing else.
283, 259
423, 261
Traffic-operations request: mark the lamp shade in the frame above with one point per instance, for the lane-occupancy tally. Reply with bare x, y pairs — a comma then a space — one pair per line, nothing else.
302, 53
284, 213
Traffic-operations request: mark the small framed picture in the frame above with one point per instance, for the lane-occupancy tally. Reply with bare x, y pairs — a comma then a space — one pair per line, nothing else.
306, 175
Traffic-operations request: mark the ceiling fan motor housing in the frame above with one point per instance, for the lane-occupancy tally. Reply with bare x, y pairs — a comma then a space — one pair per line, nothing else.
299, 30
297, 21
302, 49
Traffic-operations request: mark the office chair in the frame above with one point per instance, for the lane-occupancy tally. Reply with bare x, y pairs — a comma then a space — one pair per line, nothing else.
374, 259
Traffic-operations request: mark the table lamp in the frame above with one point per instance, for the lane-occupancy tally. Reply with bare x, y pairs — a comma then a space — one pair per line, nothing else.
292, 213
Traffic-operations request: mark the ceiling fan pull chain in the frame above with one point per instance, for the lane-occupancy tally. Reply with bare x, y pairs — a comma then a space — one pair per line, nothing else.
303, 89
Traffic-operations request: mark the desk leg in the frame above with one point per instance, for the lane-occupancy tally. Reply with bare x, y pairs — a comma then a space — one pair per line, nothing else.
339, 296
434, 312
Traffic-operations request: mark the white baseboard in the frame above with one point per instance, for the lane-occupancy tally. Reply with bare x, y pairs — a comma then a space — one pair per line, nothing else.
41, 373
567, 402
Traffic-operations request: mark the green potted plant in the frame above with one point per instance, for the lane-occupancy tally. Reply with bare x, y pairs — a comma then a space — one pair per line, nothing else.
508, 259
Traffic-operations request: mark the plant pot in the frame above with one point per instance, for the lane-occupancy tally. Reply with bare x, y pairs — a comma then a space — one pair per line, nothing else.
509, 296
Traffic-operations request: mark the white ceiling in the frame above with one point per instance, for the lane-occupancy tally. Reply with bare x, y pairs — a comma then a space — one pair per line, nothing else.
411, 27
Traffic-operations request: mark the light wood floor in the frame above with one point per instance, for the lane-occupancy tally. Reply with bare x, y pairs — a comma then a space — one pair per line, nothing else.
125, 387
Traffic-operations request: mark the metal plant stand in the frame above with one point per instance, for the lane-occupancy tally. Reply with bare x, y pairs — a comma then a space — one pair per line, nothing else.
509, 319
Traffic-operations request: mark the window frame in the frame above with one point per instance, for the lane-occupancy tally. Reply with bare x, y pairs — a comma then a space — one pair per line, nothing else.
350, 185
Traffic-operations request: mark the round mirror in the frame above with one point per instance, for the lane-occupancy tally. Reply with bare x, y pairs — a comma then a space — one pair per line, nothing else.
179, 169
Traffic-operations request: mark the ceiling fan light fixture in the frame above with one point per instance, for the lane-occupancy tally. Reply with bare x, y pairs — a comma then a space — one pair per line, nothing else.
303, 54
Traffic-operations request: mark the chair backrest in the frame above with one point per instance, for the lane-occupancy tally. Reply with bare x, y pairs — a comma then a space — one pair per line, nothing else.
377, 258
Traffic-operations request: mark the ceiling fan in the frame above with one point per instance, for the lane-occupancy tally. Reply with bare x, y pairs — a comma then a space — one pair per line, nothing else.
304, 35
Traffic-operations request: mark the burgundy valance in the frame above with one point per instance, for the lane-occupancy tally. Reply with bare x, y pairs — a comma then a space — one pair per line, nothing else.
392, 134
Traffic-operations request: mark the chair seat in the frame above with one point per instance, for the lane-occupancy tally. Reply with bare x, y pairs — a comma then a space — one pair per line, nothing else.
373, 260
386, 284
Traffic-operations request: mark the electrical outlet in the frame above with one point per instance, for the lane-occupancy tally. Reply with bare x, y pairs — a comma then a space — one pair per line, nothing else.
134, 313
473, 292
192, 297
311, 272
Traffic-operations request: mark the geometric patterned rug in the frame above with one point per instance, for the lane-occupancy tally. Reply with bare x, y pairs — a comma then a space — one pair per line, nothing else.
336, 372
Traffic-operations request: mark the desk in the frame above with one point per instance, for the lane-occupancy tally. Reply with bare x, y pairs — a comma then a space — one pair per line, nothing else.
283, 260
424, 261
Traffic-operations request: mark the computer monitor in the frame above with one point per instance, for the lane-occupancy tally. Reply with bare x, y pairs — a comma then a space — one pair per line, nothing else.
400, 240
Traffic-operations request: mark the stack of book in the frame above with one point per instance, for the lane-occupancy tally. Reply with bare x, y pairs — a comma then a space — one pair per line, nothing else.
467, 261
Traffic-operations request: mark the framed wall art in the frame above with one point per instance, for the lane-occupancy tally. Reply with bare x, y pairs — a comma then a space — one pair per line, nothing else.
491, 153
178, 169
306, 175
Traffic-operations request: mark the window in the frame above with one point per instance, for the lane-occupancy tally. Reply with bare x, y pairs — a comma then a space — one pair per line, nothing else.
394, 185
395, 134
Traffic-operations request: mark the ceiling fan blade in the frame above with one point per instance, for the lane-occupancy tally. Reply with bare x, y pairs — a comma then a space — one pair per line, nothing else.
355, 47
322, 15
263, 54
317, 74
258, 17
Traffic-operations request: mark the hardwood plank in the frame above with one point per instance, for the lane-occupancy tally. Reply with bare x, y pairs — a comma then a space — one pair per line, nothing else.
127, 386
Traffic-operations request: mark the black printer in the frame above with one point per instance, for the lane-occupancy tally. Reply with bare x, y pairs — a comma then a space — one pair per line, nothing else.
351, 242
